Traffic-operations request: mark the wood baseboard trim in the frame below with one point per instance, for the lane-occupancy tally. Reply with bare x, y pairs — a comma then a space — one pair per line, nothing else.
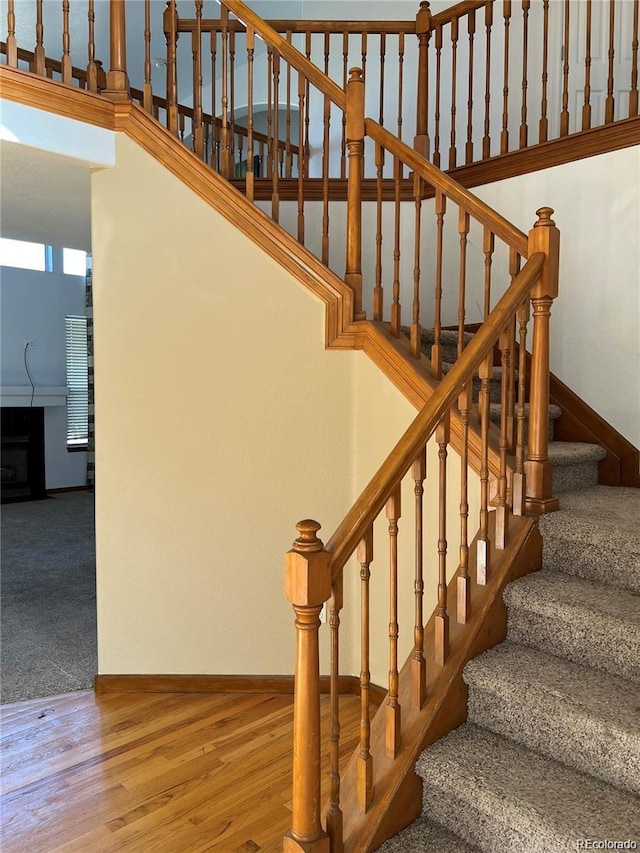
279, 684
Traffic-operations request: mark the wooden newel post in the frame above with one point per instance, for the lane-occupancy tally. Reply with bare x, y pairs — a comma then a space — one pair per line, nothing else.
117, 78
423, 31
543, 237
355, 147
308, 586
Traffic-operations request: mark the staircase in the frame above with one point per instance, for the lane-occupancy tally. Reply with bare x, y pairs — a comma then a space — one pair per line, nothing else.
550, 754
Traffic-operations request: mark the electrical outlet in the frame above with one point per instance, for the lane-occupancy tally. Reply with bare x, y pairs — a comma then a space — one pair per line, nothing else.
29, 343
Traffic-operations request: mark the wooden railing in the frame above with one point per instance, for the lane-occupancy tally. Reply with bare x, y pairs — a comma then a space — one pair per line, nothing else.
503, 76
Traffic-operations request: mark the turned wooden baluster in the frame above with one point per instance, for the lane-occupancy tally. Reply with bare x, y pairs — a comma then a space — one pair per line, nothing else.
363, 55
170, 26
117, 81
441, 649
12, 45
463, 597
92, 68
196, 49
418, 662
355, 145
486, 139
436, 349
392, 710
181, 124
504, 135
325, 160
288, 151
383, 50
564, 115
307, 118
609, 103
38, 54
364, 758
378, 293
415, 320
482, 556
633, 93
275, 190
524, 130
345, 80
436, 129
270, 142
400, 81
488, 245
308, 586
471, 31
302, 92
334, 818
232, 95
586, 109
226, 160
250, 152
502, 510
463, 231
396, 309
543, 237
519, 490
514, 269
147, 90
454, 67
66, 44
213, 47
423, 32
544, 121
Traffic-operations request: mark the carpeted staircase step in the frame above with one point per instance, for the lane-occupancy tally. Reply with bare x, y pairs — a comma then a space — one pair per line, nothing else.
424, 836
586, 622
495, 412
501, 796
571, 713
575, 465
596, 535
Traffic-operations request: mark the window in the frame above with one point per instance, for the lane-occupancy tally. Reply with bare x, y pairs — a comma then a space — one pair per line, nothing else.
74, 262
26, 256
77, 401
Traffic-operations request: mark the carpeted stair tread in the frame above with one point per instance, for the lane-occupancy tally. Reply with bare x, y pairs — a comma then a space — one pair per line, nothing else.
571, 713
571, 617
424, 836
501, 796
575, 465
596, 535
495, 409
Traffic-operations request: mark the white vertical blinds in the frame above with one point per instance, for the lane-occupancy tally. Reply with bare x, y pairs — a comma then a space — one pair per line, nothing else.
77, 401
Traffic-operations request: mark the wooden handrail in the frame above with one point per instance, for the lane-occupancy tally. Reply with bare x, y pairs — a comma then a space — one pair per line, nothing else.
456, 11
286, 50
298, 27
352, 529
500, 226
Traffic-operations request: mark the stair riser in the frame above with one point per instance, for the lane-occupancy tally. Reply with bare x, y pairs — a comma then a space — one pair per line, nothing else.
582, 636
601, 565
561, 732
489, 823
570, 478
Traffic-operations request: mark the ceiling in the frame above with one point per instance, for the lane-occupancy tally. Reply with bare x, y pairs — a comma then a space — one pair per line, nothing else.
44, 197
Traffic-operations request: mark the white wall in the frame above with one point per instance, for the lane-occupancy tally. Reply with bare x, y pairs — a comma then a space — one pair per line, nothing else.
595, 342
34, 306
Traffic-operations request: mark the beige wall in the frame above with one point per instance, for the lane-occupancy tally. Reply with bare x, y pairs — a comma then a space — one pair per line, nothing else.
220, 420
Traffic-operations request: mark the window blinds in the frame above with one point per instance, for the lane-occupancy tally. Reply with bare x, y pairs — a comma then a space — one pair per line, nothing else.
77, 401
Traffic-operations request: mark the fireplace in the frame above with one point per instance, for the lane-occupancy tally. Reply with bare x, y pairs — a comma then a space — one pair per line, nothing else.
22, 462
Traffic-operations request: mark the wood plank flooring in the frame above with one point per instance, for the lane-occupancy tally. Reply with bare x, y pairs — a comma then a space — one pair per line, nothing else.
172, 773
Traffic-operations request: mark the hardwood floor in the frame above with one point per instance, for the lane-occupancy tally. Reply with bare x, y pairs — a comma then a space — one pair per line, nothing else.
173, 773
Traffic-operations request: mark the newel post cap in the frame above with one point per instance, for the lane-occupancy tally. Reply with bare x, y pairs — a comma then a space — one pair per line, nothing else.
423, 18
544, 237
307, 569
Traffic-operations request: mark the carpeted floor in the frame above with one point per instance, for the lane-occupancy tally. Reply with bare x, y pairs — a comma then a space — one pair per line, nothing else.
48, 597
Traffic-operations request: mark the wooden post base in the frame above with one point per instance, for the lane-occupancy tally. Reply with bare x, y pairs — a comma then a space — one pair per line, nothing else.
541, 506
320, 845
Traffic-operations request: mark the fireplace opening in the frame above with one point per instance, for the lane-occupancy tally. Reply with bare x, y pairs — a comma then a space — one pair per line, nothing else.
22, 459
